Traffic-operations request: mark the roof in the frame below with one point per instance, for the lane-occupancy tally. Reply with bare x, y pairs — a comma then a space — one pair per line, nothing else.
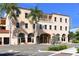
2, 18
4, 31
46, 13
60, 14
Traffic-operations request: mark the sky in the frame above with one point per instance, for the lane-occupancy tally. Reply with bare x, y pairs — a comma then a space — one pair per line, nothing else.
70, 9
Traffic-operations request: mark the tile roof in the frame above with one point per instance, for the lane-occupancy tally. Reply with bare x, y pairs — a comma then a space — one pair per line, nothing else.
4, 31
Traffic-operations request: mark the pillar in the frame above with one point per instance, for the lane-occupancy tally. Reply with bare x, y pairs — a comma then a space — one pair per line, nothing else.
2, 41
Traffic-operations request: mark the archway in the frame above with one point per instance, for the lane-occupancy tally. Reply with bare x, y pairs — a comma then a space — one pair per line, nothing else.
31, 37
44, 38
21, 38
63, 37
58, 37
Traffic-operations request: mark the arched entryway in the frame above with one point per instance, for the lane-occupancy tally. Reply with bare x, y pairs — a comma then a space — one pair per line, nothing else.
30, 37
21, 38
63, 37
58, 37
55, 38
44, 38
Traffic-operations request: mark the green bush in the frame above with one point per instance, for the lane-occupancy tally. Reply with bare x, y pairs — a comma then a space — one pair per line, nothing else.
75, 41
57, 47
77, 50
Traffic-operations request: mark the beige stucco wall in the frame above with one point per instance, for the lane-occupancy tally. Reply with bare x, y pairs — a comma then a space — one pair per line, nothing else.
51, 32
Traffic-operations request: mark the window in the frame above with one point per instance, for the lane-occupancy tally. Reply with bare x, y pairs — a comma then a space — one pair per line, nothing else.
26, 15
6, 40
45, 26
60, 19
60, 27
17, 13
2, 22
33, 26
55, 19
50, 27
26, 25
65, 20
0, 40
65, 28
40, 26
17, 25
50, 16
2, 27
55, 27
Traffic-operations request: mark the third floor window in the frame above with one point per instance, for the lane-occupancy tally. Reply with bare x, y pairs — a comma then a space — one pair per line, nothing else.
55, 19
60, 19
65, 20
26, 15
26, 25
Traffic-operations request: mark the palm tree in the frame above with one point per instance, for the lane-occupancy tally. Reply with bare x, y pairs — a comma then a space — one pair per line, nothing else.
35, 16
10, 9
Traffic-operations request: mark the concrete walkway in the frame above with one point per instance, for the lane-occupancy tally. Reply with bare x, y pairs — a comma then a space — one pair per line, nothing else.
69, 51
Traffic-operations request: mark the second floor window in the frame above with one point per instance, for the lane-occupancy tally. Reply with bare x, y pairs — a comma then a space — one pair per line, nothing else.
50, 27
55, 27
26, 25
60, 19
60, 27
17, 25
45, 26
33, 26
65, 28
40, 26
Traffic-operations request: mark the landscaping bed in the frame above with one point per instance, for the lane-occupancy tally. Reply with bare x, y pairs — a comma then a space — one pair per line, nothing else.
57, 47
75, 41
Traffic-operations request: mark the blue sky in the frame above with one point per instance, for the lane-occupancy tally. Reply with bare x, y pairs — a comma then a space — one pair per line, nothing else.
70, 9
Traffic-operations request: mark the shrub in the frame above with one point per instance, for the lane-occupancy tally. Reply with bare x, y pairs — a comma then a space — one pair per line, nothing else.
77, 50
57, 47
75, 41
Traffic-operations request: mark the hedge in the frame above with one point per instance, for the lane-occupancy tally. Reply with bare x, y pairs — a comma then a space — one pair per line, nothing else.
57, 47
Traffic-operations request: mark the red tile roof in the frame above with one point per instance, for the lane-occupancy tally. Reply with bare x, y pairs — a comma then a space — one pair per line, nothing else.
4, 31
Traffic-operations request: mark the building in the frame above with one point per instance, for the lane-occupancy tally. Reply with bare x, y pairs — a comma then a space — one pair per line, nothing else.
50, 25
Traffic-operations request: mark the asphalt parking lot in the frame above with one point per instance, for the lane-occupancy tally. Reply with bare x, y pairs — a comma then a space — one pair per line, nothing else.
24, 50
30, 50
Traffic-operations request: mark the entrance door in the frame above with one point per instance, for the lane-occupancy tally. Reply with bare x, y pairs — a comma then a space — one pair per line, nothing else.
44, 38
21, 38
6, 40
31, 38
0, 41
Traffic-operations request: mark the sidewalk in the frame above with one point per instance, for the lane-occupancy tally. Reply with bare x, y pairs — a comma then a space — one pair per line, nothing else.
66, 51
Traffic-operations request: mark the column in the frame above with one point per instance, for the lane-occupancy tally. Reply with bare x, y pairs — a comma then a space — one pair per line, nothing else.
26, 39
35, 39
66, 38
2, 41
60, 38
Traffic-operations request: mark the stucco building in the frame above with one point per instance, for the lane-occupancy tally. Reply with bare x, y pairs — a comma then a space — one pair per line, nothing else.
50, 25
